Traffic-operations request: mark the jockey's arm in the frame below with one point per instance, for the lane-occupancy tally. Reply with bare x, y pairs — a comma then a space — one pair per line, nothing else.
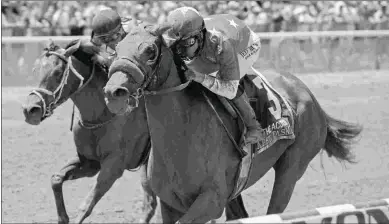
224, 82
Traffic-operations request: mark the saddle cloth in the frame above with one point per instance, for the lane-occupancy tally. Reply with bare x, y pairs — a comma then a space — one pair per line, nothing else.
272, 110
275, 117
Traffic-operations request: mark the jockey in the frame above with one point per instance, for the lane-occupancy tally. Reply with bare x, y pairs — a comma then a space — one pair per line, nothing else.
217, 59
108, 29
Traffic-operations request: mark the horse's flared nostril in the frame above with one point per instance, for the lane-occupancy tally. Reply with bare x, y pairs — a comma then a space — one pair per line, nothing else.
30, 111
33, 114
120, 92
34, 110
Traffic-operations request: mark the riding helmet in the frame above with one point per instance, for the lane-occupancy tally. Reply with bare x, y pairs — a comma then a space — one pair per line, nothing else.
106, 22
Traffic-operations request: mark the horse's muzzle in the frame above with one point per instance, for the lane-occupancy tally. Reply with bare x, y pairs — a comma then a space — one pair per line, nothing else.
33, 114
117, 99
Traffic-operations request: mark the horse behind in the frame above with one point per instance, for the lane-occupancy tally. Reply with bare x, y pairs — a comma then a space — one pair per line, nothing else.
101, 146
193, 163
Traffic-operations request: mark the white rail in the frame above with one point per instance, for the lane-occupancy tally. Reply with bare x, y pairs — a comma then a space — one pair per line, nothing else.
266, 35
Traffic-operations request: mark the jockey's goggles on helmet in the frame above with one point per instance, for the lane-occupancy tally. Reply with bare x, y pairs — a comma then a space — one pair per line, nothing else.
109, 38
188, 42
104, 42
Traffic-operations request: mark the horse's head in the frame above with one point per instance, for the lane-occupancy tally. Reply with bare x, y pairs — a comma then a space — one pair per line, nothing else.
59, 79
139, 58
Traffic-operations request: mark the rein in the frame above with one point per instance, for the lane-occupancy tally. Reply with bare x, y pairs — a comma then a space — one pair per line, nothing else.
167, 90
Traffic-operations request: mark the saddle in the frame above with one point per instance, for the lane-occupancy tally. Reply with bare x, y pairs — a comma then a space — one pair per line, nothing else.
274, 115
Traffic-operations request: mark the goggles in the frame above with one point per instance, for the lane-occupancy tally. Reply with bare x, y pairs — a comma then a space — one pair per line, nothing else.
188, 42
109, 38
99, 40
104, 42
182, 45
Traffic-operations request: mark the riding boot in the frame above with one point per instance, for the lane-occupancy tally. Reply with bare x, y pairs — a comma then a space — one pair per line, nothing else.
254, 130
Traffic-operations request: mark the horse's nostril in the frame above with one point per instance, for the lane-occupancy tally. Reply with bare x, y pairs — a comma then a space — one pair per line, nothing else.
34, 110
120, 92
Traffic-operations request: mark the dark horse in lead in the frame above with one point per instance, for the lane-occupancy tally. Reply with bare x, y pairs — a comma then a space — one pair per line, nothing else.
193, 164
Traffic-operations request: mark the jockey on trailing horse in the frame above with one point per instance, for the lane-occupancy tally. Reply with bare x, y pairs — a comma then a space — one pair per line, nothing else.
108, 29
217, 58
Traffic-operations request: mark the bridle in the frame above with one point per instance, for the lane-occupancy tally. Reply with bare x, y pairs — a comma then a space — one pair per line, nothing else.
48, 107
140, 91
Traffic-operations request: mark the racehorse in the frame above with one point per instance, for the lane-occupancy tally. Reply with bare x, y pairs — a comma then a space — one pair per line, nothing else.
193, 163
67, 74
98, 136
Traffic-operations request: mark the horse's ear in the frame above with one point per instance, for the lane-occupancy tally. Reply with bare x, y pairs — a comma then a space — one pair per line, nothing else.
158, 30
73, 48
51, 44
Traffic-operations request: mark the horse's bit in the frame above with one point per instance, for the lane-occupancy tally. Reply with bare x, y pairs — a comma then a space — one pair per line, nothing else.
57, 93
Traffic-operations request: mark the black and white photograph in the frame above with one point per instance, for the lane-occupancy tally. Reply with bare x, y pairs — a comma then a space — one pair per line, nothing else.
195, 111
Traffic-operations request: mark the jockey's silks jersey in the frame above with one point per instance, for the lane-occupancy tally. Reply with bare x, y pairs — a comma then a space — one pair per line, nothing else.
230, 48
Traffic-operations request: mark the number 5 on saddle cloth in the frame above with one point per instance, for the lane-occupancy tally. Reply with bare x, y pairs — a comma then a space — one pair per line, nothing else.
274, 115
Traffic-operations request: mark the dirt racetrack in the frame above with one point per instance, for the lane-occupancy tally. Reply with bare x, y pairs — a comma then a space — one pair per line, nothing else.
30, 154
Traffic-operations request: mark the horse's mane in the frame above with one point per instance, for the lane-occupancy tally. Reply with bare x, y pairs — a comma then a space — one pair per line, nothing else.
80, 55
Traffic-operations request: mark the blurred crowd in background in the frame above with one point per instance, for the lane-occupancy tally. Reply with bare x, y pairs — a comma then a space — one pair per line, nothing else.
64, 18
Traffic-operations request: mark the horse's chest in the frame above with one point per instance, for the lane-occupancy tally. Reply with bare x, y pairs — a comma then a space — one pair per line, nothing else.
96, 144
175, 192
177, 182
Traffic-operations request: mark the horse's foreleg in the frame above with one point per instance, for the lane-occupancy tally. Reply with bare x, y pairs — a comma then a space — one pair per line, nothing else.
112, 169
149, 198
168, 213
207, 206
74, 169
235, 209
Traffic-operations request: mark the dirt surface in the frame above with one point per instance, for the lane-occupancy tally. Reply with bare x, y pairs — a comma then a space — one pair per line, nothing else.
30, 154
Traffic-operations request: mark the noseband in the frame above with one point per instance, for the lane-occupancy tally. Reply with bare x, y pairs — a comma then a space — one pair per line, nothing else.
55, 95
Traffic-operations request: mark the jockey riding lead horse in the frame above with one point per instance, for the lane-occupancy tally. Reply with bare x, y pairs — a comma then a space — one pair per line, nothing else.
217, 60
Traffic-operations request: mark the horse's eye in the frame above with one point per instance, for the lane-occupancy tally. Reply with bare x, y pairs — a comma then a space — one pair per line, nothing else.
154, 54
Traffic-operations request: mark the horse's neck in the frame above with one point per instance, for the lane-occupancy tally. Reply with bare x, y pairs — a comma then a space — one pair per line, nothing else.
167, 74
90, 100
